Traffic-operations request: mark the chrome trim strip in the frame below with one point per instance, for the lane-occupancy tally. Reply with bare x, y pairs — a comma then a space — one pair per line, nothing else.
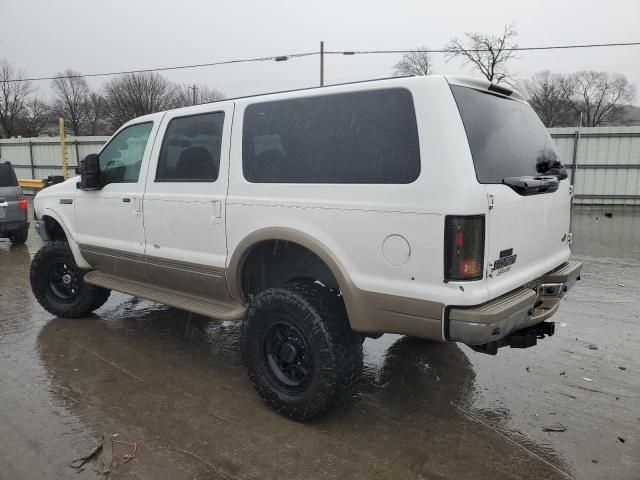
188, 267
185, 266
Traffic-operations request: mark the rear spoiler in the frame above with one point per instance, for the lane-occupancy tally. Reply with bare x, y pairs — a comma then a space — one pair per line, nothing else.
485, 85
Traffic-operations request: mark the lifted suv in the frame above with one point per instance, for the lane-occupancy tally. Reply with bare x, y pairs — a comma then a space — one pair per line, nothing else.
435, 207
13, 206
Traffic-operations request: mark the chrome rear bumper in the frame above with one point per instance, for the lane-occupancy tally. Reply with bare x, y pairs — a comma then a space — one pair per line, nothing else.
519, 309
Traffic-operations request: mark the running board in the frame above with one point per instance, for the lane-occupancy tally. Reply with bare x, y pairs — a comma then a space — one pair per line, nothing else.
201, 306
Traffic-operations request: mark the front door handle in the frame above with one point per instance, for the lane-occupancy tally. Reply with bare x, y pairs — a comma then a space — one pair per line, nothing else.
126, 200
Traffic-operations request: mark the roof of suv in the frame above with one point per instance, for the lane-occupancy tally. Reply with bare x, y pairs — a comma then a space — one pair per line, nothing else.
462, 80
466, 81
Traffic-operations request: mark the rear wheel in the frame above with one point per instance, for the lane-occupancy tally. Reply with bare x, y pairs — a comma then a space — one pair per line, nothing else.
58, 284
300, 352
20, 237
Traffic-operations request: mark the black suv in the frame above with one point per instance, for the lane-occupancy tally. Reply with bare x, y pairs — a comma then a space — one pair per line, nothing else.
14, 222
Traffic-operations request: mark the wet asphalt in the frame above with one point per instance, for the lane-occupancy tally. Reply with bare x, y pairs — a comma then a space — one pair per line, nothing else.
152, 374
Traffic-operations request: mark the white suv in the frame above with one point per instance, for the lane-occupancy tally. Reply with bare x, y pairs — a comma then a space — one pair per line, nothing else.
434, 207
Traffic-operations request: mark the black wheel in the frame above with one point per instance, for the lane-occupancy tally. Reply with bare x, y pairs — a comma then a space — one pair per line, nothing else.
299, 350
58, 284
20, 237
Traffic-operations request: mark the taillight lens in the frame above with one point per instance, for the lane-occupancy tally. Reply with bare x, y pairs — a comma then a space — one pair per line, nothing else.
463, 247
22, 202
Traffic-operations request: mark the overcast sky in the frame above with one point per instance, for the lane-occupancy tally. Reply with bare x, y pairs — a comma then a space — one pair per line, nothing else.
44, 37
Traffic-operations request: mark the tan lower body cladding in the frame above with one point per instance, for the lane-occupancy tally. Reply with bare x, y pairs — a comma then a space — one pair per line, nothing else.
372, 312
178, 282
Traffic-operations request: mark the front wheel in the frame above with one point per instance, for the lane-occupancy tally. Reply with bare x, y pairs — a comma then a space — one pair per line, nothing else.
299, 350
58, 285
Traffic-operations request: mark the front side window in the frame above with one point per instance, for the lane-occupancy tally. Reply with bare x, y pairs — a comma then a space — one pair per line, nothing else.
191, 149
367, 137
121, 159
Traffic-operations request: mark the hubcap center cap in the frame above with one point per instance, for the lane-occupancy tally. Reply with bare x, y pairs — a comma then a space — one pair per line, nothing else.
288, 352
66, 279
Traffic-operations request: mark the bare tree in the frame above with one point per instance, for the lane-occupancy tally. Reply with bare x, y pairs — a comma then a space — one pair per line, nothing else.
600, 96
416, 62
71, 94
487, 54
13, 96
185, 95
137, 94
35, 118
550, 96
96, 108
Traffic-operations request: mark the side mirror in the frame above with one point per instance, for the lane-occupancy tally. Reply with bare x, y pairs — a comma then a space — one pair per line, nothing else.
89, 171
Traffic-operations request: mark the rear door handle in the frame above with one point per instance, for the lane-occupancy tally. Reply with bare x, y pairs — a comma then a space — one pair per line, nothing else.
217, 211
126, 200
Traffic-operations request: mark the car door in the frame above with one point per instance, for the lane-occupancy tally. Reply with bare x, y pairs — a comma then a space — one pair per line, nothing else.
184, 202
109, 222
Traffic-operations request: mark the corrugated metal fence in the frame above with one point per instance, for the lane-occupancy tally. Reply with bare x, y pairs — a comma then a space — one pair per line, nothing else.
604, 162
39, 157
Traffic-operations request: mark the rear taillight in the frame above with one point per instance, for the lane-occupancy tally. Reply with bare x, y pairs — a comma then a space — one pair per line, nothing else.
463, 247
22, 202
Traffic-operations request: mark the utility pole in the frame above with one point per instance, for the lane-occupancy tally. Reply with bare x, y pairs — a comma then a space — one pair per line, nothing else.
194, 94
63, 148
322, 64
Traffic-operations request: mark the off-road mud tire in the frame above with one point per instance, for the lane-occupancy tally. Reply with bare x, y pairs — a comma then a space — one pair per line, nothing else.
87, 297
319, 316
20, 237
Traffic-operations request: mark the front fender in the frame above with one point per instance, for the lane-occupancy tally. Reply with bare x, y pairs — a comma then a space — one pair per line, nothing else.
73, 244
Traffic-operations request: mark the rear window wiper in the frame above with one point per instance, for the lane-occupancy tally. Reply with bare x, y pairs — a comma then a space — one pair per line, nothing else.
533, 185
554, 168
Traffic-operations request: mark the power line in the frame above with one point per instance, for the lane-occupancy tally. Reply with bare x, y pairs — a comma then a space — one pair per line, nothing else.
511, 49
164, 69
279, 58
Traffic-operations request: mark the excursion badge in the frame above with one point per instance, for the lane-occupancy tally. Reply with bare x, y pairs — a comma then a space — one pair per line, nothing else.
503, 264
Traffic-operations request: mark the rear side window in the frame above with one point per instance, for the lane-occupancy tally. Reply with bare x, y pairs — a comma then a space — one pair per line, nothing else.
191, 149
506, 137
360, 137
7, 176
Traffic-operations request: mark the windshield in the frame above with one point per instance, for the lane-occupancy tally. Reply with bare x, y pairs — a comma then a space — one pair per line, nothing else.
7, 177
506, 137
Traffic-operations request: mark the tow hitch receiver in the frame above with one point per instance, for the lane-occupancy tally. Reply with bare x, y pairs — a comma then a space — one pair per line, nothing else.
525, 338
528, 337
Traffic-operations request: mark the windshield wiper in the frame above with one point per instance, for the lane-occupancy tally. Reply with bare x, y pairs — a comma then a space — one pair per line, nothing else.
532, 185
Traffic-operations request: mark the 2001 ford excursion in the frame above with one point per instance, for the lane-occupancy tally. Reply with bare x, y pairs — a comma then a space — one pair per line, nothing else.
435, 207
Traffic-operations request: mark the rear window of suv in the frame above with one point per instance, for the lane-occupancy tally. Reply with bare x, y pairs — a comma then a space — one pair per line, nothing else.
7, 177
366, 137
506, 137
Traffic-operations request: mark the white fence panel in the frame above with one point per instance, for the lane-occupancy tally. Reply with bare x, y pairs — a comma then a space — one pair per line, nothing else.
604, 161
